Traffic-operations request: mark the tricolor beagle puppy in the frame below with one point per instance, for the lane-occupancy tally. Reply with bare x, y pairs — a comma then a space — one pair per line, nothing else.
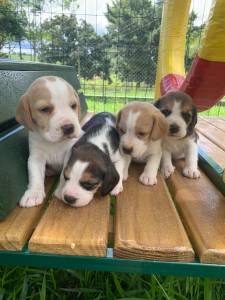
50, 109
181, 141
141, 127
94, 164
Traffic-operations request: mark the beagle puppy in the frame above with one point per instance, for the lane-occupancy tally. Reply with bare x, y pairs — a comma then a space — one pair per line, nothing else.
181, 141
94, 164
141, 127
50, 110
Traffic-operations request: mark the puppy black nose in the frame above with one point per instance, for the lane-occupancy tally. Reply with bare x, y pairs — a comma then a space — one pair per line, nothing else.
67, 129
127, 150
174, 128
70, 199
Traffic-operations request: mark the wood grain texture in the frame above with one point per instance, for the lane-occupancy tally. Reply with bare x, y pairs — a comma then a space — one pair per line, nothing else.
19, 225
202, 209
217, 122
147, 225
212, 150
73, 231
214, 134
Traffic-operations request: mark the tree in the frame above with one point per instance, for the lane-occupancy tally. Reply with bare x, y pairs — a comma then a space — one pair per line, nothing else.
193, 39
68, 42
12, 24
134, 33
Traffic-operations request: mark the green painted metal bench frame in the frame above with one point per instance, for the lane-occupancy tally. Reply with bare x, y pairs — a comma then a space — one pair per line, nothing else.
8, 126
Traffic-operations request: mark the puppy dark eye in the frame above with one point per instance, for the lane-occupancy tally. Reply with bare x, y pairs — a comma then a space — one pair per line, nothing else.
65, 177
73, 106
141, 134
166, 112
186, 116
46, 109
88, 185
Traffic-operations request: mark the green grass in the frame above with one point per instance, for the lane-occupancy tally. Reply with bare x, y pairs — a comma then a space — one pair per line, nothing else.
30, 283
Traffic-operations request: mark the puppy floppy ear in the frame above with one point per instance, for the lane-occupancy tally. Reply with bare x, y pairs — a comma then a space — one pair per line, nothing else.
23, 113
111, 178
193, 121
159, 127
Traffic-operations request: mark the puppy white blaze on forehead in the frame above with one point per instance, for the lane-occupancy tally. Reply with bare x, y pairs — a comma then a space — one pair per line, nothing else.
59, 91
176, 108
77, 170
131, 120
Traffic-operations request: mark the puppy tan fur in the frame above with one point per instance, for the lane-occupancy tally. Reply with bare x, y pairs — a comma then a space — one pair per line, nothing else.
141, 127
50, 109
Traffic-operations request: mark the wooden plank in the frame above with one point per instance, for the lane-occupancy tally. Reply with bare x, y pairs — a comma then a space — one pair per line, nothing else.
18, 226
216, 135
73, 231
147, 225
202, 209
217, 122
212, 150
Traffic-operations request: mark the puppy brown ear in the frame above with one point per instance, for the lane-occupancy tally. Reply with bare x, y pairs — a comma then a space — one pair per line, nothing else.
110, 180
23, 113
193, 121
78, 104
160, 126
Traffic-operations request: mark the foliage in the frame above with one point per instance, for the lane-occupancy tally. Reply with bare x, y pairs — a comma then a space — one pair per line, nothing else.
12, 24
69, 42
193, 39
134, 33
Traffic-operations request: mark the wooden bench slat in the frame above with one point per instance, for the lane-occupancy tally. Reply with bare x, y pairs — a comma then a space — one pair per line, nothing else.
202, 208
212, 150
18, 226
147, 224
214, 134
217, 122
73, 231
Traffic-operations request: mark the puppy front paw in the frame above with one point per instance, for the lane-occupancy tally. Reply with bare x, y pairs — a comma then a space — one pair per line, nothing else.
32, 198
147, 179
167, 170
117, 189
191, 172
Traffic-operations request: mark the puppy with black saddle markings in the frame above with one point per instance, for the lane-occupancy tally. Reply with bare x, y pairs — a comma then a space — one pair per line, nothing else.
94, 163
181, 141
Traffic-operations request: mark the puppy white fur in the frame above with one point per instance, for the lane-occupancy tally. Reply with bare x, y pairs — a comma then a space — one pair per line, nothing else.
94, 163
141, 127
181, 141
50, 109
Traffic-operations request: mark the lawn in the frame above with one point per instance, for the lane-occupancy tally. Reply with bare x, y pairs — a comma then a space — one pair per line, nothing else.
30, 283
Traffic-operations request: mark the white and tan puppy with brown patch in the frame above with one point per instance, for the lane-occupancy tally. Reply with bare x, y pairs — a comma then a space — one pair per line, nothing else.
181, 141
141, 127
50, 110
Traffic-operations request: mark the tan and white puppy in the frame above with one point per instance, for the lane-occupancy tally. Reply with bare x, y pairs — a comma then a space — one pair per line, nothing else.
141, 127
50, 110
181, 142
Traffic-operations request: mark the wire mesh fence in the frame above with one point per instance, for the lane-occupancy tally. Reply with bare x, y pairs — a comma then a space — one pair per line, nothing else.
113, 45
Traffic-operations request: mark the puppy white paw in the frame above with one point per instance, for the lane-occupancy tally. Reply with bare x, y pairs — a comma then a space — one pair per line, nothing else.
117, 189
167, 170
191, 172
32, 198
146, 179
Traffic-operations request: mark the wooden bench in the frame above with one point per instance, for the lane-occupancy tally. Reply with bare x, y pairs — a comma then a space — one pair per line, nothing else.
176, 227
